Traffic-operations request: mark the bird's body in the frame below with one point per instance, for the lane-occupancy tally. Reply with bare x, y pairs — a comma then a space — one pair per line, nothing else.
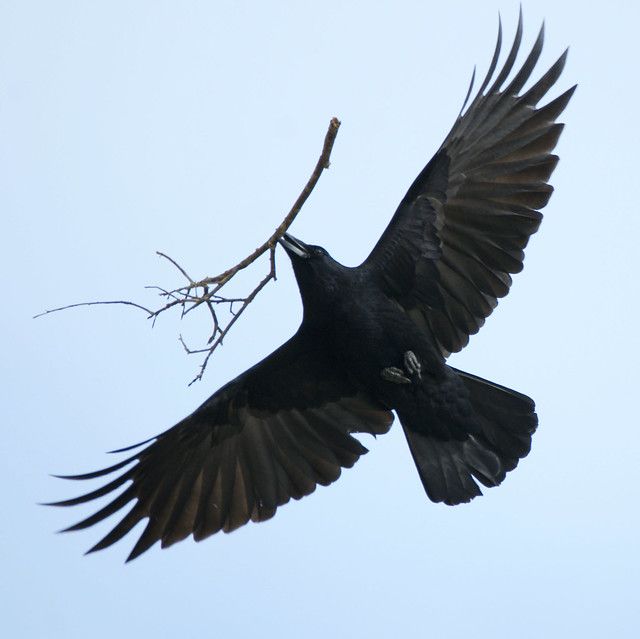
369, 332
374, 343
374, 340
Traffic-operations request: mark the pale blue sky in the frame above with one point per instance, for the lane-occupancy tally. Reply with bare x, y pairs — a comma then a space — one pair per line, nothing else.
190, 127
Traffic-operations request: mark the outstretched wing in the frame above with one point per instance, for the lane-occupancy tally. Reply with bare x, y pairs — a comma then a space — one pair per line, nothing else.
271, 434
459, 233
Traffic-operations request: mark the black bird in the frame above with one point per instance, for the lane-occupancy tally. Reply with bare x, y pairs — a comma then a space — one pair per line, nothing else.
373, 339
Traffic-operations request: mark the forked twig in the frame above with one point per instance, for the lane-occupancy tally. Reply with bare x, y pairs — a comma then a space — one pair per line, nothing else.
207, 290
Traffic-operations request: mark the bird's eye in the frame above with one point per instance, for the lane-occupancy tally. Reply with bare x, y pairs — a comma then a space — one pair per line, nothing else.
319, 251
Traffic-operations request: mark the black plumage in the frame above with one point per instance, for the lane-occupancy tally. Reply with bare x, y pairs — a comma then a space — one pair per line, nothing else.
373, 339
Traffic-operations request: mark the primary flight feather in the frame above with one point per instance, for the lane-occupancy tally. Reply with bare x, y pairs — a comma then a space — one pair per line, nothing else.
373, 340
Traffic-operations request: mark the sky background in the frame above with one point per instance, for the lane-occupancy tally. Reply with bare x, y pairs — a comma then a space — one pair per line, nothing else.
190, 128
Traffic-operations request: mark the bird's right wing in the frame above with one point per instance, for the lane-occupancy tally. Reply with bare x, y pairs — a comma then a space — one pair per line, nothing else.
461, 229
272, 434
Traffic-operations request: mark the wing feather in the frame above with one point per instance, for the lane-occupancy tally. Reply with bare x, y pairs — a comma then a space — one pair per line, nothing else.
272, 434
460, 232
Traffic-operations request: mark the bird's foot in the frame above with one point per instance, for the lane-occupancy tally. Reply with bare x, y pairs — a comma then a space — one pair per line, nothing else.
412, 365
395, 375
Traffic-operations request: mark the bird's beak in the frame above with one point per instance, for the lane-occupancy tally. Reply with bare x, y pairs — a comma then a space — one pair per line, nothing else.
294, 246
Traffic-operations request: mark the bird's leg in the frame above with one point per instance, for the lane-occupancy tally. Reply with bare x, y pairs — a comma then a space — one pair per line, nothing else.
395, 375
412, 365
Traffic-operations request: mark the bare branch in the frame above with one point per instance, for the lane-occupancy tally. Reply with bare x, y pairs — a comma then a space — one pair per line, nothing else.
322, 164
64, 308
207, 290
166, 257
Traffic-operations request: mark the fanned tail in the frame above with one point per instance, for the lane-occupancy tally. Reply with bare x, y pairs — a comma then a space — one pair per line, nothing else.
498, 434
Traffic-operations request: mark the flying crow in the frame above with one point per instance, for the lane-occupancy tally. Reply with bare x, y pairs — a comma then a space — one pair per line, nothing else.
373, 340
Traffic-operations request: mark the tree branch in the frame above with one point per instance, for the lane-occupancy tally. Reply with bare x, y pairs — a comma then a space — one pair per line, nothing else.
189, 297
322, 164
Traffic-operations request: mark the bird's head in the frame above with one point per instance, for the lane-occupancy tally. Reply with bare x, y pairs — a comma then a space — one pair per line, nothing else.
317, 273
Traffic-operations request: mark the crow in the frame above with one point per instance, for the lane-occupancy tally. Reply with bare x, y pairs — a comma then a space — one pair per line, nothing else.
374, 339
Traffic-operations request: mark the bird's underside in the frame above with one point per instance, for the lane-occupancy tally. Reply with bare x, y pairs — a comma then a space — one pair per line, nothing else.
373, 340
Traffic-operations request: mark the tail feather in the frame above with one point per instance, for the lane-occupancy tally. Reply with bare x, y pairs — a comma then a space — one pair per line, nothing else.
507, 418
501, 423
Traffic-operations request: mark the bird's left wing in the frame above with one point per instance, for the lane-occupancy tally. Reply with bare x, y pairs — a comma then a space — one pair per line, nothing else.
272, 434
459, 233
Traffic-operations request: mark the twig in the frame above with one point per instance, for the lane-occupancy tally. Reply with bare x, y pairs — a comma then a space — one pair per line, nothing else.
271, 275
166, 257
64, 308
322, 164
189, 298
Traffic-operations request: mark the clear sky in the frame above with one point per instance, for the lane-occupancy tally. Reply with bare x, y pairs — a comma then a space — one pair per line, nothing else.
190, 127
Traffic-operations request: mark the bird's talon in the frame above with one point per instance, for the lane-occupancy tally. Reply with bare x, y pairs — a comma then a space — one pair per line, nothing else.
412, 364
395, 375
